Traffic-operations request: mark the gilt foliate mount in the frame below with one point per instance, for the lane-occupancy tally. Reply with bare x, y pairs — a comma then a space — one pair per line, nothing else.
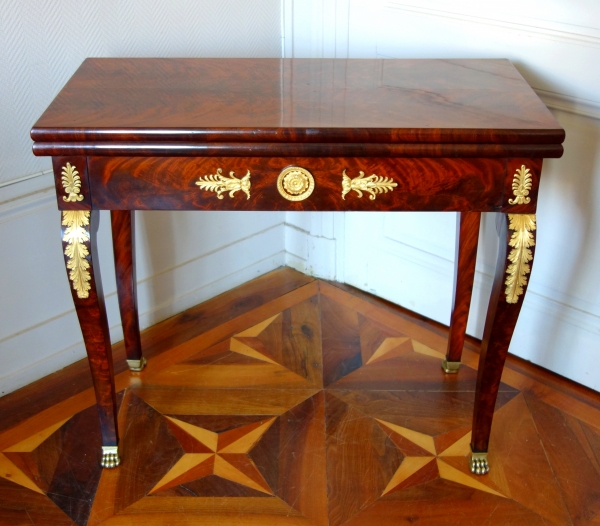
76, 236
71, 182
373, 184
520, 256
521, 185
222, 184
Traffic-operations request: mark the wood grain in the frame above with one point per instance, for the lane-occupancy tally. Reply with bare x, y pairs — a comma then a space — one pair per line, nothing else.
91, 313
123, 228
464, 275
573, 448
169, 183
365, 455
501, 320
274, 100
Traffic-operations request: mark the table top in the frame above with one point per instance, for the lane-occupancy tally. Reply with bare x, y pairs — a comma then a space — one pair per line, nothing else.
234, 102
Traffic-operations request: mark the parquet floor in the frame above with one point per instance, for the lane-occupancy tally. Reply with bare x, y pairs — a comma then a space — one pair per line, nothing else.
294, 401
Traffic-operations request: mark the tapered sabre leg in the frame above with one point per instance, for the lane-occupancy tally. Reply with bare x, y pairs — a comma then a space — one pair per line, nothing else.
124, 251
464, 274
515, 257
79, 228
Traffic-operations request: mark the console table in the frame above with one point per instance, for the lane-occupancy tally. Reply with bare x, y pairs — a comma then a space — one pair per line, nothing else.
466, 136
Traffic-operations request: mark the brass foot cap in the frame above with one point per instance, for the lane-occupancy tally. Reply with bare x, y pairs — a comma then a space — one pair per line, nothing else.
137, 365
450, 367
110, 457
479, 463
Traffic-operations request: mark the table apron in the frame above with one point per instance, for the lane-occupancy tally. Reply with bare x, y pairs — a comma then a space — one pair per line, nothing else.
420, 184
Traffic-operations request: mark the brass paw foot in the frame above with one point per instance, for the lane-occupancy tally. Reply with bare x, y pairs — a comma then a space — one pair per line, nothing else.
450, 367
479, 463
137, 365
110, 457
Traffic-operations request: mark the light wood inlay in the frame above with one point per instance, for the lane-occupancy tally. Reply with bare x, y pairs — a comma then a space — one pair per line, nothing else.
183, 466
12, 473
31, 443
227, 471
241, 348
204, 436
427, 351
246, 441
254, 331
422, 440
460, 448
388, 345
409, 466
450, 473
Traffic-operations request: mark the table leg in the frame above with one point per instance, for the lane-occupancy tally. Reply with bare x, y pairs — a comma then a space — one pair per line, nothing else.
516, 233
123, 222
79, 229
464, 273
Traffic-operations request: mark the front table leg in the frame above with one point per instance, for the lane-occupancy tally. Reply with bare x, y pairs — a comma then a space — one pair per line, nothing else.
516, 233
124, 250
79, 229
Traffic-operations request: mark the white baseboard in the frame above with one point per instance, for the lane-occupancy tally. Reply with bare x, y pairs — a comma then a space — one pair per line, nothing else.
313, 252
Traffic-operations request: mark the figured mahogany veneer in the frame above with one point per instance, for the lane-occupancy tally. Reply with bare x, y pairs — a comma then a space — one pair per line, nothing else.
141, 104
466, 136
158, 183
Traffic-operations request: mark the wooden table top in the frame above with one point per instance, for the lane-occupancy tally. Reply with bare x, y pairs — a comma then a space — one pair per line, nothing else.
219, 101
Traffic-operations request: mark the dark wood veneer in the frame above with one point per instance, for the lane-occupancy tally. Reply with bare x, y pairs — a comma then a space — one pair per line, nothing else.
169, 149
464, 275
500, 323
91, 313
123, 235
325, 100
157, 183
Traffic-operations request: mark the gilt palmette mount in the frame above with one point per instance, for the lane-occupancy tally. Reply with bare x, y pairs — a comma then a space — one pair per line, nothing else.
521, 185
71, 183
373, 184
221, 184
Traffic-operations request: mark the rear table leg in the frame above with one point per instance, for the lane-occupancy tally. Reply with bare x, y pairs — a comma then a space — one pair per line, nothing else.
464, 274
124, 251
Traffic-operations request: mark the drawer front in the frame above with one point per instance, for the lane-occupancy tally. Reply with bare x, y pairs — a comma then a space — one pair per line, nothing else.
257, 183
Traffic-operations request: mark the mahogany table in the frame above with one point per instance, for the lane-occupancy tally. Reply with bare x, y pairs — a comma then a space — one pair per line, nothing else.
466, 136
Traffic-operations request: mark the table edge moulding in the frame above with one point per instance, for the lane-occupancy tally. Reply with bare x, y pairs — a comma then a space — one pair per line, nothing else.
465, 136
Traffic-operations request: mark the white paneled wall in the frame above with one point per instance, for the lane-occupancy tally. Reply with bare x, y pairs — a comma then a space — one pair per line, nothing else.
408, 258
183, 258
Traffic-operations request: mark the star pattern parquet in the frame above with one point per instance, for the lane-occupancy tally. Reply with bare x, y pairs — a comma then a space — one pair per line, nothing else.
316, 408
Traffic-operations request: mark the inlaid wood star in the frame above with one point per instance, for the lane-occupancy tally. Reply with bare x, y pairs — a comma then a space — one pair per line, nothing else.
423, 462
19, 463
222, 454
